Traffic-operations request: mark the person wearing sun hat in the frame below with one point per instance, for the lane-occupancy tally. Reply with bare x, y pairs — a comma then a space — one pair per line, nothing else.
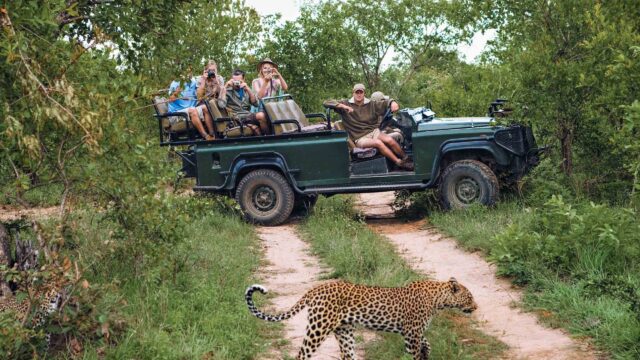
269, 81
360, 117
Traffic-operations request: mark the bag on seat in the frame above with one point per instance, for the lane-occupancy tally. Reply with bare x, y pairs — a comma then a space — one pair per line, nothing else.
224, 125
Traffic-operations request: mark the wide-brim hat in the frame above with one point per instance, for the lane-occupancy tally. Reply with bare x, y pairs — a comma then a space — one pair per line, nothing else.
266, 61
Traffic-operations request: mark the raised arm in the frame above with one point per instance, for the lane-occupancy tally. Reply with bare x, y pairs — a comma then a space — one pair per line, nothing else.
283, 83
338, 106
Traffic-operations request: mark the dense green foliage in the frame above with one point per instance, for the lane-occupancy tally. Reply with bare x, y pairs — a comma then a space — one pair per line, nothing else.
578, 263
75, 130
358, 254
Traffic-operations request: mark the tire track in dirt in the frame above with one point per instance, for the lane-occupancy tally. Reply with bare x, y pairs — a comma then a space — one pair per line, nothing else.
292, 270
439, 257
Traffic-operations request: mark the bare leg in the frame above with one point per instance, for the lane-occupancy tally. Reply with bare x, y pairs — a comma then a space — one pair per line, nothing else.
195, 120
392, 144
378, 144
264, 127
207, 119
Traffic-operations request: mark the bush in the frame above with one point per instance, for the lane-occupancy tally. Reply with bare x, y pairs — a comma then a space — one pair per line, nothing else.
572, 241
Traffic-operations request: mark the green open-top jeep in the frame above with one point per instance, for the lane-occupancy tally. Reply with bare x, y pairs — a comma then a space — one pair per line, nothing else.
468, 158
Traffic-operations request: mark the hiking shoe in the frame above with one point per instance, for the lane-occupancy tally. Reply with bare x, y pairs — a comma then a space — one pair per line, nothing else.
405, 164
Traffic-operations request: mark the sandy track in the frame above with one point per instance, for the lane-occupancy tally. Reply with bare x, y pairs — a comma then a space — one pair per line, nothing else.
440, 258
291, 272
10, 213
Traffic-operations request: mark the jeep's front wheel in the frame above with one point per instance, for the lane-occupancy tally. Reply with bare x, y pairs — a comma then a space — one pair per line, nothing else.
265, 197
466, 182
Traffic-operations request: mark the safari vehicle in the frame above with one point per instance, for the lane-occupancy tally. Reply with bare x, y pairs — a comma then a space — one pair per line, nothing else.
270, 176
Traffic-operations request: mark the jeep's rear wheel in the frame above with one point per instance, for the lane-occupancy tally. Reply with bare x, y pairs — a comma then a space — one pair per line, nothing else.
466, 182
265, 197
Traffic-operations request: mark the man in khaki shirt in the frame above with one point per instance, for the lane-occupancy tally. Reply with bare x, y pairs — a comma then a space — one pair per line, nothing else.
360, 117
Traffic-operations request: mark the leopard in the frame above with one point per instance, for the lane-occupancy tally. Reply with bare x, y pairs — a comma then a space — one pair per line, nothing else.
338, 306
49, 301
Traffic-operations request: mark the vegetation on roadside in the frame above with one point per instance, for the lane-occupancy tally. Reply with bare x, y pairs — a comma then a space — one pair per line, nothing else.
357, 254
160, 296
76, 131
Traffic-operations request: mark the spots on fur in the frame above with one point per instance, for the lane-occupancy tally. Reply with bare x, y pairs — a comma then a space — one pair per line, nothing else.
336, 307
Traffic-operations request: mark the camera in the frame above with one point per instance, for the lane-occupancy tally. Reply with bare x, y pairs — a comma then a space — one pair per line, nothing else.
211, 74
236, 83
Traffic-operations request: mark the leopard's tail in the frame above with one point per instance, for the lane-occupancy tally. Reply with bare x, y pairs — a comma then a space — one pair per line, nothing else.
279, 317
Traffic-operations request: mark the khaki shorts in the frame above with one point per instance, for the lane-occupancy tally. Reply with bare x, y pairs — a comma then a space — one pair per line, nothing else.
370, 136
186, 111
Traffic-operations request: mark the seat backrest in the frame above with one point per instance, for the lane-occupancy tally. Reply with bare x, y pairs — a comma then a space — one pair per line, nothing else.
161, 106
285, 110
218, 113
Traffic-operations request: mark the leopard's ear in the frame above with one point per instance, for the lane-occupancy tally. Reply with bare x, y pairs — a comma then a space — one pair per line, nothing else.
455, 287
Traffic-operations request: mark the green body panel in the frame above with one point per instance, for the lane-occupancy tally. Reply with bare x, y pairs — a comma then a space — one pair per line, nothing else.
316, 160
322, 159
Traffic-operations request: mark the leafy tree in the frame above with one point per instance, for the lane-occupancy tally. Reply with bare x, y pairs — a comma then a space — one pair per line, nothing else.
567, 58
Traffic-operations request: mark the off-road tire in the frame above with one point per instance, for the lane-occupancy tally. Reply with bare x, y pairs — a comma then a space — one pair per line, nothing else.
466, 182
304, 204
265, 197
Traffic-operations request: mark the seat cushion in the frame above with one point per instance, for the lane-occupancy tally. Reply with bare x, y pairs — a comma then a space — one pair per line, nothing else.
364, 153
314, 127
235, 132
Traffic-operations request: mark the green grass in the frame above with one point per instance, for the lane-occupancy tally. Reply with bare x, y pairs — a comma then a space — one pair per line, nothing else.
191, 305
357, 254
576, 261
476, 228
37, 196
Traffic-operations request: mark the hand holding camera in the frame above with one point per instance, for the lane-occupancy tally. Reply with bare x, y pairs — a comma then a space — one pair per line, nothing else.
268, 74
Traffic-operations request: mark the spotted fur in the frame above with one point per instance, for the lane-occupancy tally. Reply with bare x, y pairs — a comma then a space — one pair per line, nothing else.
339, 306
47, 304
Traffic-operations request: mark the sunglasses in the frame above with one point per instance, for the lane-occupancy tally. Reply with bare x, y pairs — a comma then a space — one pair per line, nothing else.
358, 92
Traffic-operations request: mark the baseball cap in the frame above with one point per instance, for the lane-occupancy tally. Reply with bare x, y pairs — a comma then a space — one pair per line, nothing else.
357, 87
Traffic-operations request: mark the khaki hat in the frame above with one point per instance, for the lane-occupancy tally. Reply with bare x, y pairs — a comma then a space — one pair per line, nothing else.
378, 95
357, 87
266, 61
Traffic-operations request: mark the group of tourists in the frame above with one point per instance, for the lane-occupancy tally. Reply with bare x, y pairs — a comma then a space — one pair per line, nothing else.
239, 100
361, 115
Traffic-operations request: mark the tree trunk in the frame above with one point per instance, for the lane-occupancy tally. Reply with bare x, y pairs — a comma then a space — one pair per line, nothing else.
566, 144
5, 258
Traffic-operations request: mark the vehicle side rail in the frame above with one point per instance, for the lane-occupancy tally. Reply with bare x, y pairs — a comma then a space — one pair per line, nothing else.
365, 188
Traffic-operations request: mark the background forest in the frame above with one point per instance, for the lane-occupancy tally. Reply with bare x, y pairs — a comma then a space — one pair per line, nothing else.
77, 132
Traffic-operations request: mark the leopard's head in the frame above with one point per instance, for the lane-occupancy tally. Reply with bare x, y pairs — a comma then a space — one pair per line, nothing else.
458, 296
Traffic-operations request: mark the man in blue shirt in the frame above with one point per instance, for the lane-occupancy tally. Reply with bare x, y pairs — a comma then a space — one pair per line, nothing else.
183, 99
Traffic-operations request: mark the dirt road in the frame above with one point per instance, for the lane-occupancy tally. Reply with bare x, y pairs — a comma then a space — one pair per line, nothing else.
291, 272
10, 213
440, 258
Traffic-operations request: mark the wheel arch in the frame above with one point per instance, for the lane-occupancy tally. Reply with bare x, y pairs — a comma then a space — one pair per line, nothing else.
247, 162
481, 150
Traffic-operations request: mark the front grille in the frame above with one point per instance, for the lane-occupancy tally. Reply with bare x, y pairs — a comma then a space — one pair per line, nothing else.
512, 139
